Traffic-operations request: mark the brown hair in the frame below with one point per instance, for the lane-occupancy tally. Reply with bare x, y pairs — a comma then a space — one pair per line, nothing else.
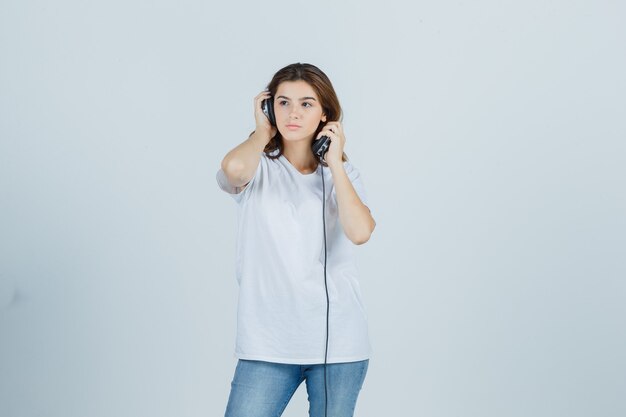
322, 87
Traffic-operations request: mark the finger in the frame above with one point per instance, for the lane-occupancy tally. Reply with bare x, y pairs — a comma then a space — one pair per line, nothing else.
258, 99
263, 94
324, 133
336, 126
328, 133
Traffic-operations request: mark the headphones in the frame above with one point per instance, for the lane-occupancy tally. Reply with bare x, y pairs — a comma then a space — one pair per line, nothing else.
319, 147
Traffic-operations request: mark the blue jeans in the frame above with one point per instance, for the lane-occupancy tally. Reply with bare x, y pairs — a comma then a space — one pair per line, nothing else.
263, 389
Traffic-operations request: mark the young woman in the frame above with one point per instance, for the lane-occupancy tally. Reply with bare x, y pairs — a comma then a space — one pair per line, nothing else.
299, 217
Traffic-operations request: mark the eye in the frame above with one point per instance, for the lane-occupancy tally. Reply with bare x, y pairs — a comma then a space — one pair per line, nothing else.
281, 102
307, 103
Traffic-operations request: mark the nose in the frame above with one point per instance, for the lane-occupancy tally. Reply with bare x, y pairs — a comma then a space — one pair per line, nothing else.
294, 114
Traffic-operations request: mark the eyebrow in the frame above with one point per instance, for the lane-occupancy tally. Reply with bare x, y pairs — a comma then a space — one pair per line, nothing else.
303, 98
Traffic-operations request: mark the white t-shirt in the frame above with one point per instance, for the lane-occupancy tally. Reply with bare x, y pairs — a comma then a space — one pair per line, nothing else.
281, 314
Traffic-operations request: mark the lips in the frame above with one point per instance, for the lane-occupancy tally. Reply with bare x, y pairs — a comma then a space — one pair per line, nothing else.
293, 126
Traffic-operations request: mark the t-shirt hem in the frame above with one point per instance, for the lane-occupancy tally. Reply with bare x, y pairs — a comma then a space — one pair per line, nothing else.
306, 361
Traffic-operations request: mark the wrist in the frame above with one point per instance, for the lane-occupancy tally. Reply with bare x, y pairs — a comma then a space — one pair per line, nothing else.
260, 139
334, 165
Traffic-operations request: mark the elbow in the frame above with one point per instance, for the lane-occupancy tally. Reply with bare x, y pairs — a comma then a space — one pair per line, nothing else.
231, 167
360, 241
363, 238
233, 170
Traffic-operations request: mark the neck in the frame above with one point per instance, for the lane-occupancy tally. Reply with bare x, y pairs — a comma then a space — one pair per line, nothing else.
300, 156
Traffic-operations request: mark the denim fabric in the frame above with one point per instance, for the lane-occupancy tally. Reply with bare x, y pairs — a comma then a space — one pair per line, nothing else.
263, 389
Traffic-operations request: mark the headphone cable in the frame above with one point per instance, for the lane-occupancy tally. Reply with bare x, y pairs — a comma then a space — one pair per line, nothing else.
326, 287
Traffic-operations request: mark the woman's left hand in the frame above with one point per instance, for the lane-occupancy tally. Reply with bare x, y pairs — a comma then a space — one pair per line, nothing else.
334, 130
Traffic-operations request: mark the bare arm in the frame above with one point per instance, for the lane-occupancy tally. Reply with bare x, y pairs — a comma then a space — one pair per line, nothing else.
241, 162
355, 217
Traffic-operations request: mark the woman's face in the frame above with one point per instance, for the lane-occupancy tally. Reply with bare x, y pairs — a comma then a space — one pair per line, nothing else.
298, 110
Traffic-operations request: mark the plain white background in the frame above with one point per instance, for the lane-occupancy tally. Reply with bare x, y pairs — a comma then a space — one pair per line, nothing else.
491, 139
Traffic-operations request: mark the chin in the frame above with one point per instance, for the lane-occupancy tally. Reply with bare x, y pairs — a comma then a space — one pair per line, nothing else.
291, 137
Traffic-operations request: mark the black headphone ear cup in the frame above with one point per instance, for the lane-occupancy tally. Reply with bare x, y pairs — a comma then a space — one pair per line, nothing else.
320, 146
272, 115
268, 109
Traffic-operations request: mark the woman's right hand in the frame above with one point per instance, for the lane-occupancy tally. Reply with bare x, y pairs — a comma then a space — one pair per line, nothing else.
262, 122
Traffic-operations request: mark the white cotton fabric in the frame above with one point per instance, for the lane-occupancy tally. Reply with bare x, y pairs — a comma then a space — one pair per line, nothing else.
279, 264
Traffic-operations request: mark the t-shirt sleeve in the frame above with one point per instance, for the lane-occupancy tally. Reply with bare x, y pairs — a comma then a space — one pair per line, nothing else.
236, 192
357, 182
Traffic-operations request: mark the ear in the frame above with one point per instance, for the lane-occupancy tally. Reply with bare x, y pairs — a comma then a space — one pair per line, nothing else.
324, 118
